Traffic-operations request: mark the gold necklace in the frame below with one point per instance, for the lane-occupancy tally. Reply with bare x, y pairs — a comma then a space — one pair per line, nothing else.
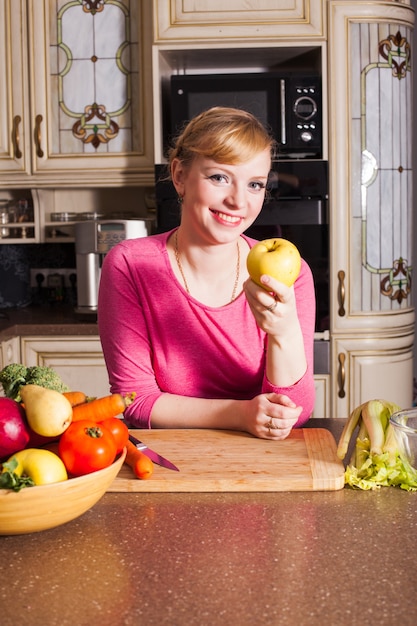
187, 289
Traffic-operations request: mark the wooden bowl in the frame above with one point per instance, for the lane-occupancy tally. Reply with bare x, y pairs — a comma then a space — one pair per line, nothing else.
45, 506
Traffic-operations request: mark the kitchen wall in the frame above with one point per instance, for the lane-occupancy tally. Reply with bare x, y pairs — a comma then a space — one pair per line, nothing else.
15, 264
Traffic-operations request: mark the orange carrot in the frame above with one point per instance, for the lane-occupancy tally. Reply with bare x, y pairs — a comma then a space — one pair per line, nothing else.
141, 464
76, 397
100, 409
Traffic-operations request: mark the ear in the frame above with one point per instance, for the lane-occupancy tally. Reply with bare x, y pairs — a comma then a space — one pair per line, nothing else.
178, 176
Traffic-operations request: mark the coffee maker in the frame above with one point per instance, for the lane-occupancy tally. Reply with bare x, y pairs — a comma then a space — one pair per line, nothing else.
93, 239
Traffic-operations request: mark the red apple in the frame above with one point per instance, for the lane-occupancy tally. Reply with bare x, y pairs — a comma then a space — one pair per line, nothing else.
14, 429
277, 257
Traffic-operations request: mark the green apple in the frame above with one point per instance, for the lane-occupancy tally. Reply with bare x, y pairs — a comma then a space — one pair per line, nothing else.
276, 257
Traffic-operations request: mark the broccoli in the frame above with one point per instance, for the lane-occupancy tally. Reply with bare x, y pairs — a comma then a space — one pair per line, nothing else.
15, 375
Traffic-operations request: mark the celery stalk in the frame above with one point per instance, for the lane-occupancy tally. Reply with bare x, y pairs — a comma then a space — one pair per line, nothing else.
375, 421
347, 432
362, 445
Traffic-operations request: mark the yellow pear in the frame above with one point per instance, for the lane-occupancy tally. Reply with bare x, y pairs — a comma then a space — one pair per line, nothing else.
48, 412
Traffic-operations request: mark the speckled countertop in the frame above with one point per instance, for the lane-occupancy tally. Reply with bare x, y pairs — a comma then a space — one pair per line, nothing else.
298, 559
48, 319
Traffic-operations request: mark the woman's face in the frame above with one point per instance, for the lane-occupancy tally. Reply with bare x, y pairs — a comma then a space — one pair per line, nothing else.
221, 201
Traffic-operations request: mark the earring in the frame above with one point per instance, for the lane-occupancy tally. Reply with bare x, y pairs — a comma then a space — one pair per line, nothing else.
180, 199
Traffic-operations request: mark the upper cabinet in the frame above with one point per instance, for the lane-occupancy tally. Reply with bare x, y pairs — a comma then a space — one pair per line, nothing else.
13, 87
75, 93
209, 20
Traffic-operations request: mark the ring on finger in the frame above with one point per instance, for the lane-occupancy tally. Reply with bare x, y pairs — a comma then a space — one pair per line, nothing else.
272, 307
271, 426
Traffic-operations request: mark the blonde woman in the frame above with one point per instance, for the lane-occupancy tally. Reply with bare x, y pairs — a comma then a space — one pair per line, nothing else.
180, 321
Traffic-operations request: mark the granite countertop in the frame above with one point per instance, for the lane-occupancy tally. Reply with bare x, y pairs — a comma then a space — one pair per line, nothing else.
298, 559
49, 319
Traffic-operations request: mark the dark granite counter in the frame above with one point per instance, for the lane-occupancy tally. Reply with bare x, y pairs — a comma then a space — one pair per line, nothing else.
49, 319
298, 559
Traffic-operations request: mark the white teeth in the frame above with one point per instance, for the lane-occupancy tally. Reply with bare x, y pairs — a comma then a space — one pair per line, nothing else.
228, 218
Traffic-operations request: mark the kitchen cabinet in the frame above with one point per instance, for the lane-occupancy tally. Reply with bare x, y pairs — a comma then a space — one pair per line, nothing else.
322, 403
9, 351
13, 88
372, 367
75, 93
372, 317
183, 20
77, 359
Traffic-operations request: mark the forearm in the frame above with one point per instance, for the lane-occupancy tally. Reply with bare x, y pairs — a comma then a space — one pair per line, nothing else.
174, 411
286, 361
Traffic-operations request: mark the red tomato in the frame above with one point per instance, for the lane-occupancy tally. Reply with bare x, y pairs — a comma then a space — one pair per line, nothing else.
86, 447
118, 429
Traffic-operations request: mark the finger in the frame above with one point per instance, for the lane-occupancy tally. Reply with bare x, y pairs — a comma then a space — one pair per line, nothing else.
276, 434
279, 399
281, 291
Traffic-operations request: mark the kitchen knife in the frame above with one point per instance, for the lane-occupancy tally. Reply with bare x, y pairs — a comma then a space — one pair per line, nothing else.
154, 456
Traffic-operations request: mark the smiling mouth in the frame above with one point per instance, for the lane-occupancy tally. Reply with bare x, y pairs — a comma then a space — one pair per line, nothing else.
232, 219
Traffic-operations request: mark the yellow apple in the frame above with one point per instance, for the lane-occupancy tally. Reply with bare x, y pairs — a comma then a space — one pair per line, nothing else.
276, 257
42, 466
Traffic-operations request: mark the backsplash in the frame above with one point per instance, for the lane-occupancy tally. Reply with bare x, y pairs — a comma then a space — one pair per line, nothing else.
15, 264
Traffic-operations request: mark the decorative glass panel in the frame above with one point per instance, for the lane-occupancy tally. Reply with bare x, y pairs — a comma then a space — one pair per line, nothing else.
381, 152
94, 76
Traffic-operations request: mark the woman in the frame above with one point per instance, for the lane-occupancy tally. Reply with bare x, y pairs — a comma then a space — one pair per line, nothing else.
180, 321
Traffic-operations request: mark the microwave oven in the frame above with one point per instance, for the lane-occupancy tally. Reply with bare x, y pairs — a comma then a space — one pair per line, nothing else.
289, 105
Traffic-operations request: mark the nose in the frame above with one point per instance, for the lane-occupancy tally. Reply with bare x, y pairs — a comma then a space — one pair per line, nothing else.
237, 197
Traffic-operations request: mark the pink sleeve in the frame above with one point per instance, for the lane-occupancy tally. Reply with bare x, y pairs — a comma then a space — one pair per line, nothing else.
124, 337
303, 391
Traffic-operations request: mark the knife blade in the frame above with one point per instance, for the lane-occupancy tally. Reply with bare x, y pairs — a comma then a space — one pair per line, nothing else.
154, 456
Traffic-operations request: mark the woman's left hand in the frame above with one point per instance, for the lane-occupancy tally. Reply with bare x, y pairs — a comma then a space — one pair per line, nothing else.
273, 307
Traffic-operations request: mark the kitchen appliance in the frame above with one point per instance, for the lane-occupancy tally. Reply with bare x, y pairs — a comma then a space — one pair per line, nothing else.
296, 208
289, 104
93, 239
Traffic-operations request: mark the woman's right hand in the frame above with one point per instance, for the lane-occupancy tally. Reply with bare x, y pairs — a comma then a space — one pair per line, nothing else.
270, 416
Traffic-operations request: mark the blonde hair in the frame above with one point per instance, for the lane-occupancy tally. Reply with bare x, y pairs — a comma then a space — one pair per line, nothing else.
224, 134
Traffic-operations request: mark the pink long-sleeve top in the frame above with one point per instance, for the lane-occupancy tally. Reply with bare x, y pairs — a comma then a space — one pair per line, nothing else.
157, 338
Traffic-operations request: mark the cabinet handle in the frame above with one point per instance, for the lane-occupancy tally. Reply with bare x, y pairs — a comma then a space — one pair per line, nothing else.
16, 137
38, 121
341, 357
341, 292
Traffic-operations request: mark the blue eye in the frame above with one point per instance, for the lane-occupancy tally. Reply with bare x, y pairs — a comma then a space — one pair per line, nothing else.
257, 186
218, 178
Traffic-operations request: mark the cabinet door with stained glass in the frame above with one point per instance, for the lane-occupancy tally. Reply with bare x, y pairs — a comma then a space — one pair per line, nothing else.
90, 80
371, 166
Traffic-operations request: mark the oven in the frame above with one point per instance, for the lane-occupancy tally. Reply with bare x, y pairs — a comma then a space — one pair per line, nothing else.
296, 208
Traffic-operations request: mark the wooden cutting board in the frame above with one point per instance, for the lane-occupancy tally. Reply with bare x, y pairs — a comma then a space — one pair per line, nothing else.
222, 460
